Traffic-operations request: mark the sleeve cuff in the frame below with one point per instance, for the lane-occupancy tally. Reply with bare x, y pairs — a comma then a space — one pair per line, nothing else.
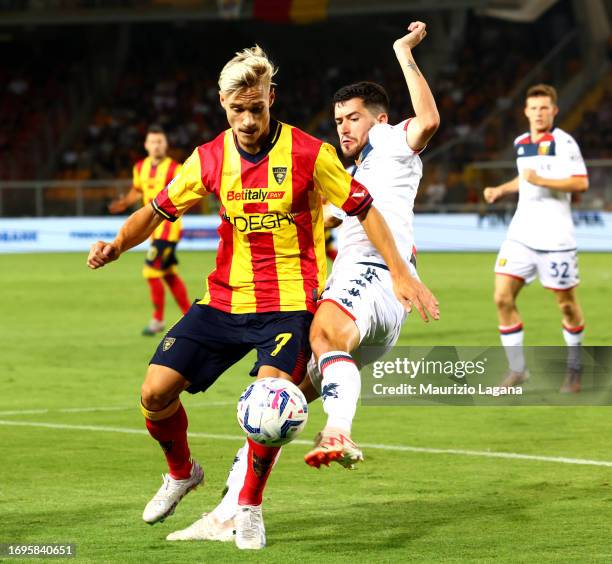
362, 207
162, 212
414, 151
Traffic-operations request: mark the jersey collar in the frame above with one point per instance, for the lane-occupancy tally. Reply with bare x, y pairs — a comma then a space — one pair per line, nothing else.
365, 152
275, 130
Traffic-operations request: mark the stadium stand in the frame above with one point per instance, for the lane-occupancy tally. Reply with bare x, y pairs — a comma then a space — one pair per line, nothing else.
164, 73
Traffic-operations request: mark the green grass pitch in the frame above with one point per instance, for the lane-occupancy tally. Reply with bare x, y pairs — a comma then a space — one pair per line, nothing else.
70, 340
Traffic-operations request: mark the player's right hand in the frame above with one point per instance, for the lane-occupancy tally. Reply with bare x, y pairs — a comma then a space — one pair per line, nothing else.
416, 33
411, 292
491, 194
102, 253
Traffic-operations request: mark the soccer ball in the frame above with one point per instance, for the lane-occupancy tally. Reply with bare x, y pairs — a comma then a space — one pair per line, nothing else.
272, 411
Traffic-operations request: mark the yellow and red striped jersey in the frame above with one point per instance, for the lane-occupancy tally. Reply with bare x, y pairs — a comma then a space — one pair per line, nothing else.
150, 180
271, 254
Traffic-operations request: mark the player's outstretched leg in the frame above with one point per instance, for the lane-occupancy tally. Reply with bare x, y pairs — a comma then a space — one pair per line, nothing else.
156, 325
178, 289
332, 335
340, 393
167, 424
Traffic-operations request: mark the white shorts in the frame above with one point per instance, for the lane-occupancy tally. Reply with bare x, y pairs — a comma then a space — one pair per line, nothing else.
557, 270
364, 291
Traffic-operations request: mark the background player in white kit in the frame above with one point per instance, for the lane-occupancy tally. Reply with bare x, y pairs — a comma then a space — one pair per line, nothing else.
358, 306
540, 240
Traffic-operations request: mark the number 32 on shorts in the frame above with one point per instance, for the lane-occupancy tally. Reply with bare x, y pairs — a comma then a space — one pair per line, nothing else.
281, 339
559, 269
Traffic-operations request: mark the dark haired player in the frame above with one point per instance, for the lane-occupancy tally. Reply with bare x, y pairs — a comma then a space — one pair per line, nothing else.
151, 175
358, 306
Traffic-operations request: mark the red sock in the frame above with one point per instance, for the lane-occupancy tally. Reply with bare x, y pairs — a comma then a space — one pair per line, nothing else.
179, 291
157, 297
171, 433
260, 460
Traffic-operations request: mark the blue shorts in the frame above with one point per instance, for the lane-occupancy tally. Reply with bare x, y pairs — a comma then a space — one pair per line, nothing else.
207, 341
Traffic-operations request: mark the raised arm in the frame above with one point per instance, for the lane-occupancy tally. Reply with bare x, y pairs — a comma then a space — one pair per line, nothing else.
426, 121
136, 229
494, 193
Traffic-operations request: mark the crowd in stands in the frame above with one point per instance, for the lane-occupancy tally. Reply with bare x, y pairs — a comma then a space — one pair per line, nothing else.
29, 117
172, 90
171, 81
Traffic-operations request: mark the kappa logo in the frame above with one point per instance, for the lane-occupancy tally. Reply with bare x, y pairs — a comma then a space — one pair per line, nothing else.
168, 342
279, 173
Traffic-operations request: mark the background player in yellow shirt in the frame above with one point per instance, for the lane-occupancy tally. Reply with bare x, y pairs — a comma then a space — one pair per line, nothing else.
151, 176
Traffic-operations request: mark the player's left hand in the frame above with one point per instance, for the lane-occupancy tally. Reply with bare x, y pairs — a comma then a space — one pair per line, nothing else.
102, 253
416, 34
530, 176
413, 293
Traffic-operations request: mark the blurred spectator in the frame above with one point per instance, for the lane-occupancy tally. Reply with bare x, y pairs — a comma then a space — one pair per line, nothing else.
435, 190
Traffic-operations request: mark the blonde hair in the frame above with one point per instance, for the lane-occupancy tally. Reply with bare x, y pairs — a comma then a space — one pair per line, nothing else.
250, 67
542, 90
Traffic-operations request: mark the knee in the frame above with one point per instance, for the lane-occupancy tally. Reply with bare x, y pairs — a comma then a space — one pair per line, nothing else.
323, 340
503, 300
319, 339
153, 396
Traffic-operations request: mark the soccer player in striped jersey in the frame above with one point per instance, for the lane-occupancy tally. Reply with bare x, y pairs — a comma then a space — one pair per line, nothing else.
270, 270
540, 240
150, 177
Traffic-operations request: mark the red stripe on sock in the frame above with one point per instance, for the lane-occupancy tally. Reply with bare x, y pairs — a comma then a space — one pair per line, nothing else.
512, 329
573, 330
323, 364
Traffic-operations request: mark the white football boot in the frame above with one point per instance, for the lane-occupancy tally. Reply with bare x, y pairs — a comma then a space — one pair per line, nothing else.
166, 499
206, 528
334, 445
250, 530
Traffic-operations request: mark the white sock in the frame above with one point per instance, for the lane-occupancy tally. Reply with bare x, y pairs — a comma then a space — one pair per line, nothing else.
512, 339
235, 480
228, 505
573, 339
340, 388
